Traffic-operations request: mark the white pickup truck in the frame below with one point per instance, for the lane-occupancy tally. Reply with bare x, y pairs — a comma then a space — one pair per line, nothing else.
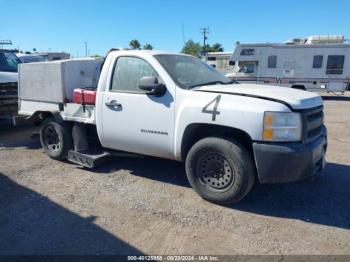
8, 82
175, 106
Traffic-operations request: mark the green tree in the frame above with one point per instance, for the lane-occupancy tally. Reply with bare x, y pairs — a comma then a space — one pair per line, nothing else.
217, 48
197, 49
206, 49
191, 48
134, 44
147, 46
214, 48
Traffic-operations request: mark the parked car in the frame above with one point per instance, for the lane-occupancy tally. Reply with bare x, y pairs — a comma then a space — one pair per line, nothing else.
30, 58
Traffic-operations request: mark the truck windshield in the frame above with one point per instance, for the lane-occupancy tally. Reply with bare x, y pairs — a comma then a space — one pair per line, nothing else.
8, 62
189, 72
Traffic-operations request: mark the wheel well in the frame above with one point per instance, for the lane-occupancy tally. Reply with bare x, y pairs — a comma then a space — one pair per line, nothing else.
196, 132
301, 87
40, 116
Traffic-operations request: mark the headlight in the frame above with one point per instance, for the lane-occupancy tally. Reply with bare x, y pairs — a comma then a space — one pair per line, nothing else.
282, 127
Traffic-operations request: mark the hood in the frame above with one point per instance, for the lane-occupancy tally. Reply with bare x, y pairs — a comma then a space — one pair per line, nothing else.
7, 77
297, 99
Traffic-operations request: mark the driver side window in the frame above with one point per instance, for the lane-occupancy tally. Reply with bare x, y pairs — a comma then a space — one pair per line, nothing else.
127, 74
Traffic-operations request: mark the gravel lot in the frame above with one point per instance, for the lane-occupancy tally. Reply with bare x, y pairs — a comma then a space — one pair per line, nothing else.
135, 205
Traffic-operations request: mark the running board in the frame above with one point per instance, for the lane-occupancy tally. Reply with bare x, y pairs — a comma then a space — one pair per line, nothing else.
88, 159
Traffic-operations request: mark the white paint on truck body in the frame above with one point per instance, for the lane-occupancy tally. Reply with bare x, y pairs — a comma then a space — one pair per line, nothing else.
130, 129
172, 113
240, 112
151, 125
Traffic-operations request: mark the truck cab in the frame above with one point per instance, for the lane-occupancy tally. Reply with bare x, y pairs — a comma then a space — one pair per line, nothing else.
178, 107
8, 66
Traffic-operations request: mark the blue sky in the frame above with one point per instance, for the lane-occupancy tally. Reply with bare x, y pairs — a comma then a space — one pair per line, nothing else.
64, 25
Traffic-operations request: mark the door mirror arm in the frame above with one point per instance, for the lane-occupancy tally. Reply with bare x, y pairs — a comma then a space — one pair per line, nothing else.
151, 86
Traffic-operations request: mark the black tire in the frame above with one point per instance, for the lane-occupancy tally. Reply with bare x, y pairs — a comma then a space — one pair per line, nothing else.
56, 138
220, 170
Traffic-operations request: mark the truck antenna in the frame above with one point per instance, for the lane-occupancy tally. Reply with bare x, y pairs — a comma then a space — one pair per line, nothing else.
86, 49
183, 33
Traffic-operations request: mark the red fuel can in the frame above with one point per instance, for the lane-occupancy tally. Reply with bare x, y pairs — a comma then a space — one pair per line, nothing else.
84, 96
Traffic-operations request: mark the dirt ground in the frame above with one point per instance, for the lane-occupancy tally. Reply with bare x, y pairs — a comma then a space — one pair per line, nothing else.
145, 206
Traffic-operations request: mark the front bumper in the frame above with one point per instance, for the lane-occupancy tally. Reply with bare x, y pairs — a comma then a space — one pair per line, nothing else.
289, 162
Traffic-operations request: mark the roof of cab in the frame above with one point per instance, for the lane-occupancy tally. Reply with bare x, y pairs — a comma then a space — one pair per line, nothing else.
149, 52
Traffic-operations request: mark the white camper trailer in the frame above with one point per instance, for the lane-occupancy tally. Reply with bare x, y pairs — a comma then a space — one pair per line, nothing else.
319, 63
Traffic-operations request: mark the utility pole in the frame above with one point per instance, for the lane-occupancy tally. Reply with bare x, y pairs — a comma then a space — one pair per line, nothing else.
205, 33
5, 42
86, 49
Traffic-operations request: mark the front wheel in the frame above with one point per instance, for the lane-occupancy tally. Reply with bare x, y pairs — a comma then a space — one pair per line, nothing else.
220, 170
56, 139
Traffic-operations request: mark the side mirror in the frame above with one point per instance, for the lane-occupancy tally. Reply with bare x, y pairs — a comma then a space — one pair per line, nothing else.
151, 85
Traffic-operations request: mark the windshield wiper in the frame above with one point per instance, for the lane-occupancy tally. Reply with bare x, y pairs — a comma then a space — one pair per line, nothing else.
211, 83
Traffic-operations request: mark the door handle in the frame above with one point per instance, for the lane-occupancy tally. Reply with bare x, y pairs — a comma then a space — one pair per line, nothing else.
113, 103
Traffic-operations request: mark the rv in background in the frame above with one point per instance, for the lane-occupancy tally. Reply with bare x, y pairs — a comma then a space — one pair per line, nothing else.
318, 63
219, 60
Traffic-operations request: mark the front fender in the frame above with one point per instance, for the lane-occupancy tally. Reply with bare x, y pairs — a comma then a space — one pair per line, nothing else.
234, 111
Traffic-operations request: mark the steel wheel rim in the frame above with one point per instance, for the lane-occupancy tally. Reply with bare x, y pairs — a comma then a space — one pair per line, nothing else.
215, 172
52, 139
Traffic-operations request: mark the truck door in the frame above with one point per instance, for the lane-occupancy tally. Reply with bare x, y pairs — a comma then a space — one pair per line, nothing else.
132, 120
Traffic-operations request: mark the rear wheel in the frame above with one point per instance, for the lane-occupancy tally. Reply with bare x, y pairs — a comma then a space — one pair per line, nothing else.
220, 170
56, 139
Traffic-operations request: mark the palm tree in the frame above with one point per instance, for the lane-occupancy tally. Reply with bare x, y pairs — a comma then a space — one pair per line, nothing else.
147, 46
134, 44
